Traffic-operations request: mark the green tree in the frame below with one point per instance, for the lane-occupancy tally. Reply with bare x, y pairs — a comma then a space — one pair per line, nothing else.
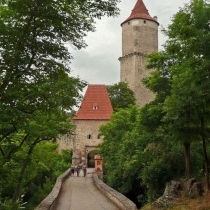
138, 156
118, 148
185, 59
121, 96
36, 89
39, 176
176, 122
28, 128
187, 106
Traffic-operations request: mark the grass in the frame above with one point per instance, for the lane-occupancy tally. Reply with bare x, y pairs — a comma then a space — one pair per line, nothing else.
186, 203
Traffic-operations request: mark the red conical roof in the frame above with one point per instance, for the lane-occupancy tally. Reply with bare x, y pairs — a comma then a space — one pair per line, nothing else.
96, 104
140, 12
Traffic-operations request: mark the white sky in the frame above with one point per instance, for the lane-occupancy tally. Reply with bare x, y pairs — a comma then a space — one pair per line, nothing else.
98, 63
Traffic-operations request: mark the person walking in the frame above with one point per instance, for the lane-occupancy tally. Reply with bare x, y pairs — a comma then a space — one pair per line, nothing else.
84, 168
78, 169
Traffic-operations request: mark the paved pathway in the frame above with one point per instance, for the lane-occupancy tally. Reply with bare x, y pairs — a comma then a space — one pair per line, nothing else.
79, 193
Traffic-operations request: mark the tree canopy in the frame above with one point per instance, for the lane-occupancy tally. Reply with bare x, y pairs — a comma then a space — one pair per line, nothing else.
36, 86
170, 137
185, 58
121, 96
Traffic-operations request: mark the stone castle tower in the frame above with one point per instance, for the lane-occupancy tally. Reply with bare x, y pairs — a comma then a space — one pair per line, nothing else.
139, 38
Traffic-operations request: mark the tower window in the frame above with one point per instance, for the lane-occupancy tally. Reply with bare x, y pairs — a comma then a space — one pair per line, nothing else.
89, 136
145, 21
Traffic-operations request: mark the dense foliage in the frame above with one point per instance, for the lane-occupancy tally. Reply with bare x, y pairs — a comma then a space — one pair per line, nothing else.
121, 96
169, 137
36, 89
39, 177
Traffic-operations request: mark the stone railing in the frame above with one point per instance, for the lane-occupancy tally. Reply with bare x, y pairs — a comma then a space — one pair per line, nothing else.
49, 202
117, 198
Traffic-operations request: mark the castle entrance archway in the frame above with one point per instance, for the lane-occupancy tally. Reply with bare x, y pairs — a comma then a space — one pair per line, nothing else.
90, 158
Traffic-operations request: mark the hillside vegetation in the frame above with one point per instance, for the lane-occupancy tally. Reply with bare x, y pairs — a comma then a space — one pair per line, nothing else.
186, 203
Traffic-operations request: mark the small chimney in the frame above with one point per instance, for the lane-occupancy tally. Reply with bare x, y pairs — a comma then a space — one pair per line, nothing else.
156, 18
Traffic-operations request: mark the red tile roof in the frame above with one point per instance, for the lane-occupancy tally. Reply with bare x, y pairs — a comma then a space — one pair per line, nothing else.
96, 104
140, 12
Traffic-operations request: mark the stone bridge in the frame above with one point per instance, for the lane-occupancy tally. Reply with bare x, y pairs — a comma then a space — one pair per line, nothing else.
84, 193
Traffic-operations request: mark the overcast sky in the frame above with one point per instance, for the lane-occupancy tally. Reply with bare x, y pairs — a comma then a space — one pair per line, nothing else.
98, 63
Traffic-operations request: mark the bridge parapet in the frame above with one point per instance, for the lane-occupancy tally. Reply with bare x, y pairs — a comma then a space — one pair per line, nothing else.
122, 202
117, 198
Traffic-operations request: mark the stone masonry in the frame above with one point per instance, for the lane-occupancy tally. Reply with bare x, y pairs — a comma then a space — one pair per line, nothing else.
139, 38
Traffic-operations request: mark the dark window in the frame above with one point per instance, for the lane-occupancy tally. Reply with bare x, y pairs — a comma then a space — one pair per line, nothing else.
95, 107
89, 136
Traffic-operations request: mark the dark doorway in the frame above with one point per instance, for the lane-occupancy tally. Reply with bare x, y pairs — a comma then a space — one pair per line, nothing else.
90, 158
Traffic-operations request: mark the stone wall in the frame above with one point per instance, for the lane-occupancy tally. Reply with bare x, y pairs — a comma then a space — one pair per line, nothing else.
132, 72
85, 139
87, 135
139, 38
139, 35
122, 202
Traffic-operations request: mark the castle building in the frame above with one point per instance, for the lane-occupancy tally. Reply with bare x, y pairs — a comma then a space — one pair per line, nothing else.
95, 110
139, 38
